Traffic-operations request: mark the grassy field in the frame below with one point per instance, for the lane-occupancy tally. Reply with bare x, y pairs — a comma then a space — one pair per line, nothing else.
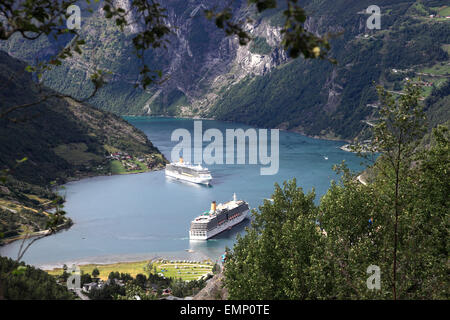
34, 197
141, 165
445, 11
183, 270
18, 221
13, 206
76, 153
118, 168
440, 73
133, 268
438, 69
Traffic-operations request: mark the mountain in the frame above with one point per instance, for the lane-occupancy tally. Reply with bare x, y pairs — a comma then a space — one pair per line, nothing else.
319, 99
58, 139
209, 75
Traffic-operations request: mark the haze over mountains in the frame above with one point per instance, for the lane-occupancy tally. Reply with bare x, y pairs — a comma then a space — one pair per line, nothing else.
209, 75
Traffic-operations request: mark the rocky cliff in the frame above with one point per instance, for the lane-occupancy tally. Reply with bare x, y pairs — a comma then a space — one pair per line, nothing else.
207, 74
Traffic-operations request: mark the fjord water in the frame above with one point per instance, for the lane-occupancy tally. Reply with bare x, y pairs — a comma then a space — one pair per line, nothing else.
140, 216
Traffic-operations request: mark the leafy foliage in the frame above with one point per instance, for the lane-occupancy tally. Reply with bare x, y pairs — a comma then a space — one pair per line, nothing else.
398, 222
21, 282
272, 260
182, 288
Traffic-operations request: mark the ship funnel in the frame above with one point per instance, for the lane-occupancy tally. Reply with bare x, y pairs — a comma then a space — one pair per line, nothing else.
234, 197
213, 206
181, 159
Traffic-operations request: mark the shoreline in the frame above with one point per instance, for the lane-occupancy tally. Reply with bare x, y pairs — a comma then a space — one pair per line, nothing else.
70, 223
126, 259
228, 121
319, 137
46, 232
346, 148
79, 177
169, 117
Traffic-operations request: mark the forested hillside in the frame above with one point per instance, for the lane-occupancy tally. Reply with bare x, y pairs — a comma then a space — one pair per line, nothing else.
395, 225
207, 74
321, 99
54, 140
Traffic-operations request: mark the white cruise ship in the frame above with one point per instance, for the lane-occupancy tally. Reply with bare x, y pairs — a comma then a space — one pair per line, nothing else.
184, 171
220, 218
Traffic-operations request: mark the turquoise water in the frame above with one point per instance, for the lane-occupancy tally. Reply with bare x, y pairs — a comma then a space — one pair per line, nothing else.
132, 217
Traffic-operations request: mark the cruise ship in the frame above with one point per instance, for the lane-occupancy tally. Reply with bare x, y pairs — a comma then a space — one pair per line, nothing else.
220, 218
184, 171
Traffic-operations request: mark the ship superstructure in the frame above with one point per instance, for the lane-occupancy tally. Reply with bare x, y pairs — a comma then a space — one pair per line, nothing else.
184, 171
219, 218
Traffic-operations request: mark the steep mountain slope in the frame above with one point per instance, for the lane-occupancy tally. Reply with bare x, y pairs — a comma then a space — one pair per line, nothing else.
209, 75
319, 99
43, 132
60, 139
198, 57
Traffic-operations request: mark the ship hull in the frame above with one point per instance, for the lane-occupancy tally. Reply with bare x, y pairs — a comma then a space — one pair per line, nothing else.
192, 179
225, 226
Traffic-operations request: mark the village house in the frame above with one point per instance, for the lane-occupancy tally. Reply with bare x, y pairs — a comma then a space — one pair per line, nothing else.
115, 281
166, 292
87, 287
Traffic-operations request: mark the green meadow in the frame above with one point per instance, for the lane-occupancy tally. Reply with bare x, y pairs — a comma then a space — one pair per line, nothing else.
166, 268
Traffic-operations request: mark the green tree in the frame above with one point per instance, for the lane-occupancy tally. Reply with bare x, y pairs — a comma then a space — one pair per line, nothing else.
95, 273
351, 240
85, 278
397, 137
108, 292
114, 275
140, 280
273, 259
22, 282
397, 222
428, 233
135, 292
